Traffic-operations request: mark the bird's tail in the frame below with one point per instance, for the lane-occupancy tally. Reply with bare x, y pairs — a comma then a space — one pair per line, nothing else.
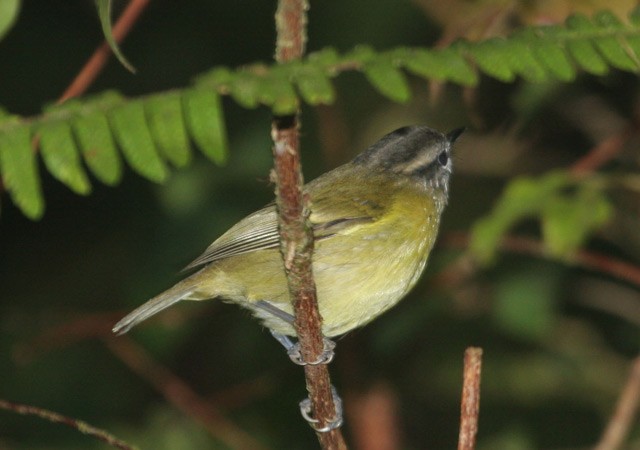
173, 295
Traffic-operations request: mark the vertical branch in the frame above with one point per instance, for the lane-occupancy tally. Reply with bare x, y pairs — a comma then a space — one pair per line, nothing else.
296, 235
470, 405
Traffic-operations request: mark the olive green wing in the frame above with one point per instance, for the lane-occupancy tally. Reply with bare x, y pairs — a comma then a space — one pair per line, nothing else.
258, 231
341, 208
333, 211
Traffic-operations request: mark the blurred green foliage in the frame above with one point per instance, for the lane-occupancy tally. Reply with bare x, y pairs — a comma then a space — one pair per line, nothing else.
557, 338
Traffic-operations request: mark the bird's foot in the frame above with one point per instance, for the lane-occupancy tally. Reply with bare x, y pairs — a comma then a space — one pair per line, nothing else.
293, 350
305, 410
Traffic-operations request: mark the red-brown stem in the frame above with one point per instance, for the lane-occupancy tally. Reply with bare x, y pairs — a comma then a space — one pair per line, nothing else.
623, 417
603, 152
296, 235
470, 404
54, 417
586, 259
180, 395
95, 64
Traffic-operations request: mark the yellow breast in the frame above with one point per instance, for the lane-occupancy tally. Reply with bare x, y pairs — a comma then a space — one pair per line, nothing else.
360, 272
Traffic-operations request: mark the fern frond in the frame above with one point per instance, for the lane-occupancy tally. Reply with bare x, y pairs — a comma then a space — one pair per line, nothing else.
154, 130
149, 131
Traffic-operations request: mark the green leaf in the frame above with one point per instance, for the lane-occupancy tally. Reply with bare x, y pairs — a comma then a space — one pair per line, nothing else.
104, 13
388, 80
61, 157
551, 56
616, 48
314, 85
446, 64
581, 49
586, 56
523, 197
457, 68
130, 128
215, 78
9, 10
523, 60
423, 63
205, 119
361, 54
19, 171
165, 118
98, 148
327, 58
277, 91
245, 89
567, 221
491, 58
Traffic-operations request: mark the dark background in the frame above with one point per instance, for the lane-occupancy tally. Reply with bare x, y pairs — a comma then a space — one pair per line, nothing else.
557, 339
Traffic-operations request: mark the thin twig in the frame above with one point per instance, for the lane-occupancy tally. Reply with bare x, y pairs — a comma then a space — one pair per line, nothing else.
470, 404
586, 259
83, 427
604, 151
621, 420
296, 235
180, 394
96, 63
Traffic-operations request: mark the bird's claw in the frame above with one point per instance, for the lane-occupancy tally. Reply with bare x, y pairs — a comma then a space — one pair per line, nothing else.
305, 410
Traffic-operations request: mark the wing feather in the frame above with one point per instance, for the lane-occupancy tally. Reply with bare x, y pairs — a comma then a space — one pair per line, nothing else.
257, 231
334, 211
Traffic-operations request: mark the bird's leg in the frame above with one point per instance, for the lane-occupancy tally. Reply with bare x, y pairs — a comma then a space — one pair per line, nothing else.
293, 348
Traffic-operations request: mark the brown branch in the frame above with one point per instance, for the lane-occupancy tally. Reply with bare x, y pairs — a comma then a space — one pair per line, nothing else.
621, 420
586, 259
96, 63
296, 236
604, 151
180, 395
82, 427
470, 404
63, 335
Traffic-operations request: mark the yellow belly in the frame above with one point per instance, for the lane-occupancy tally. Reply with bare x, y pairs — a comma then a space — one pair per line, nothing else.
359, 274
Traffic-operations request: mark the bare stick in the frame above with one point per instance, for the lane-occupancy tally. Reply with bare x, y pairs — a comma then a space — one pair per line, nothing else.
621, 420
180, 395
470, 405
296, 236
83, 427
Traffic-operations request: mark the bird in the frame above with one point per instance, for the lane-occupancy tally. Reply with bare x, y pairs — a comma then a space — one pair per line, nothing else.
374, 219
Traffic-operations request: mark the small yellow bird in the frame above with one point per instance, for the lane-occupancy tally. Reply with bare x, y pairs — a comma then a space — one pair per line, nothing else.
375, 220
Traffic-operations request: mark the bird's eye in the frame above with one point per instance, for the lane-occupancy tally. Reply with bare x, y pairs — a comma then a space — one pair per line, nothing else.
443, 158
